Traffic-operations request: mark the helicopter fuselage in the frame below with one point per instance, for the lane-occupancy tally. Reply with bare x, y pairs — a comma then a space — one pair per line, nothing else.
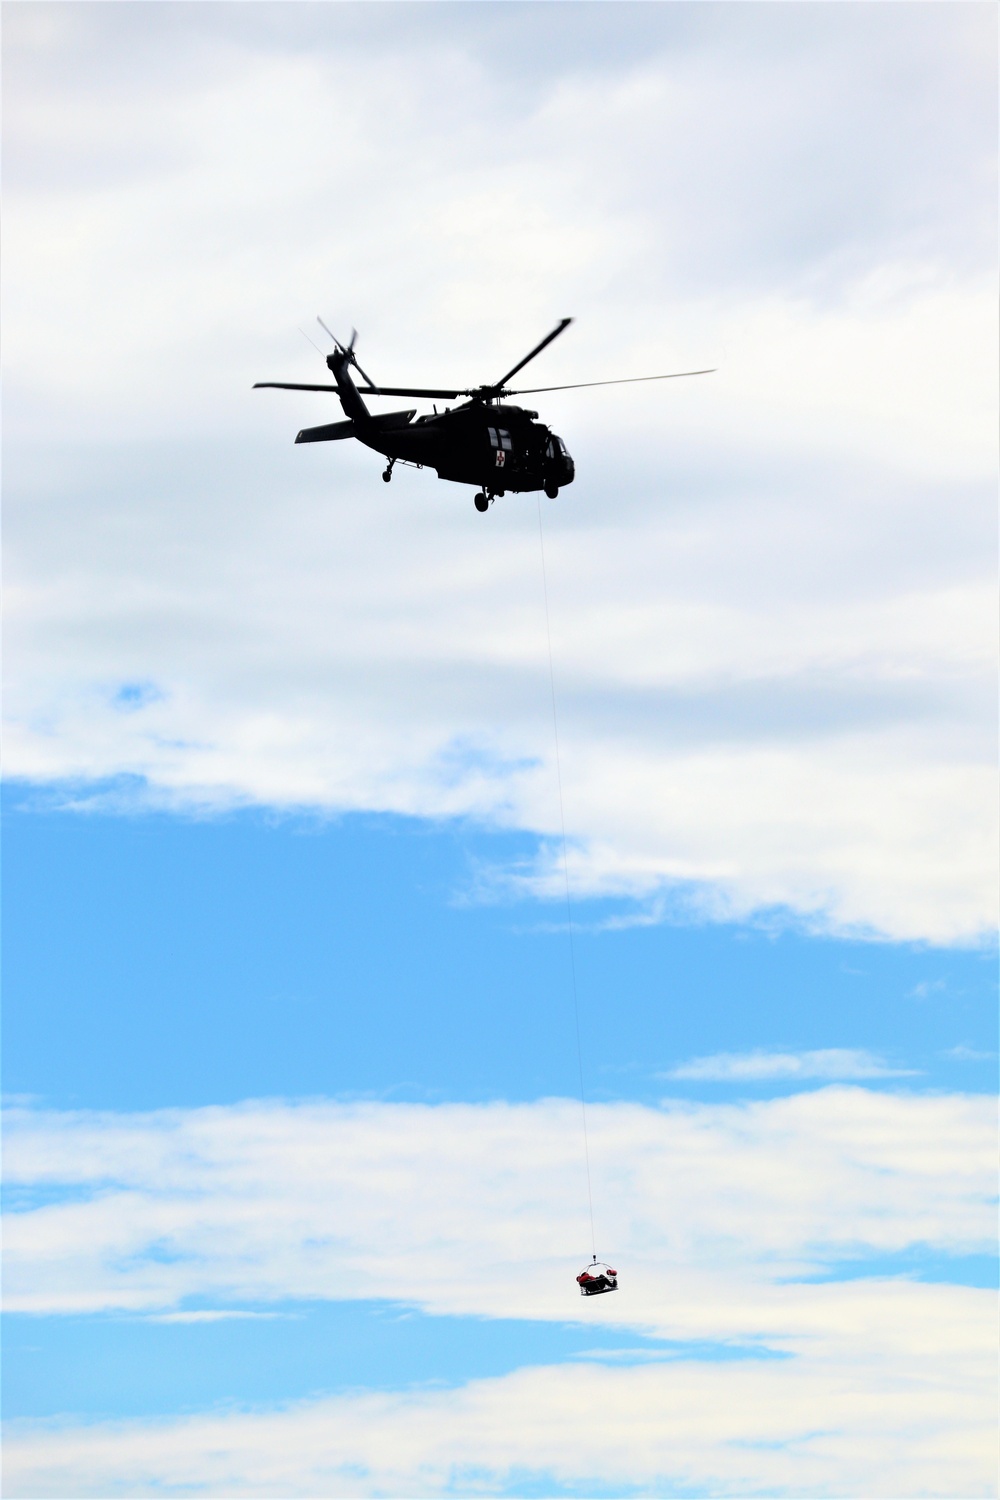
494, 447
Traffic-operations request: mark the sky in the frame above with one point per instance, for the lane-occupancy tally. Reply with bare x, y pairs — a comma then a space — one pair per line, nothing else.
295, 1177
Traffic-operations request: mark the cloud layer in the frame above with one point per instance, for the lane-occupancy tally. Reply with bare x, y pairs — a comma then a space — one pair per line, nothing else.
771, 589
430, 1204
715, 1212
828, 1062
838, 1426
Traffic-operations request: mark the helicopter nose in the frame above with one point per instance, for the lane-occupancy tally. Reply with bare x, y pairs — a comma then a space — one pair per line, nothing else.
566, 464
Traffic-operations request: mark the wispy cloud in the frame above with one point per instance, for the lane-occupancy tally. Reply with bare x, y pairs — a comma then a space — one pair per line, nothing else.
872, 1413
214, 1315
715, 1215
928, 987
424, 1204
828, 1063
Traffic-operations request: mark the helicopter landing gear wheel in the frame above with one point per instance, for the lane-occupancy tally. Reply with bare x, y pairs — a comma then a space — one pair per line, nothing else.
387, 474
481, 502
551, 490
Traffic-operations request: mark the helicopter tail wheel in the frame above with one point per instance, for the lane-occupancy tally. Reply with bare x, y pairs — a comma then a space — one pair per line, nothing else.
551, 490
387, 474
481, 502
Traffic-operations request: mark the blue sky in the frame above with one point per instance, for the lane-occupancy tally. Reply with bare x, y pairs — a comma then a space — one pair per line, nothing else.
295, 1189
200, 961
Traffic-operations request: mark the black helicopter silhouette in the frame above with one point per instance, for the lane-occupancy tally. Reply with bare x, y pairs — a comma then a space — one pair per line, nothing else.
483, 442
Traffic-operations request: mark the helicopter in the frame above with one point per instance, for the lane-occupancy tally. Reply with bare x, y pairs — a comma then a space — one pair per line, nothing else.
484, 442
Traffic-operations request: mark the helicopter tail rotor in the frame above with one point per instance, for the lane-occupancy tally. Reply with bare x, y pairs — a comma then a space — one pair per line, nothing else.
348, 352
331, 335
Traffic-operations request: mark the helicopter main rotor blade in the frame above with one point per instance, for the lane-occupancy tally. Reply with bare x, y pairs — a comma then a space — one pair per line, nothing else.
499, 384
363, 390
287, 385
407, 390
629, 380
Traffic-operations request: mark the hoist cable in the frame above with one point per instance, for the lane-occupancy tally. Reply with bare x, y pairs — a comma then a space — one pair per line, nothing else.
565, 863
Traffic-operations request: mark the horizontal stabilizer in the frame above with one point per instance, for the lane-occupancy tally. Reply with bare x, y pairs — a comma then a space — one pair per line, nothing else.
330, 433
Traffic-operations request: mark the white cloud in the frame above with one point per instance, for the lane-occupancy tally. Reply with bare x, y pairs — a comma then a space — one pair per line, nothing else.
213, 1315
848, 1422
772, 590
706, 1207
827, 1062
711, 1213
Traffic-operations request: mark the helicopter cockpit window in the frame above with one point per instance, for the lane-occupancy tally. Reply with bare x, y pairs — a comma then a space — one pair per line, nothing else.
493, 436
505, 441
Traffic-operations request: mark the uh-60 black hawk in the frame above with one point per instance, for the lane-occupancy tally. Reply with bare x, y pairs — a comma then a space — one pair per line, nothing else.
483, 442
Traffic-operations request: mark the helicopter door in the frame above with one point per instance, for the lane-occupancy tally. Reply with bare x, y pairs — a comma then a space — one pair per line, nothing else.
501, 445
